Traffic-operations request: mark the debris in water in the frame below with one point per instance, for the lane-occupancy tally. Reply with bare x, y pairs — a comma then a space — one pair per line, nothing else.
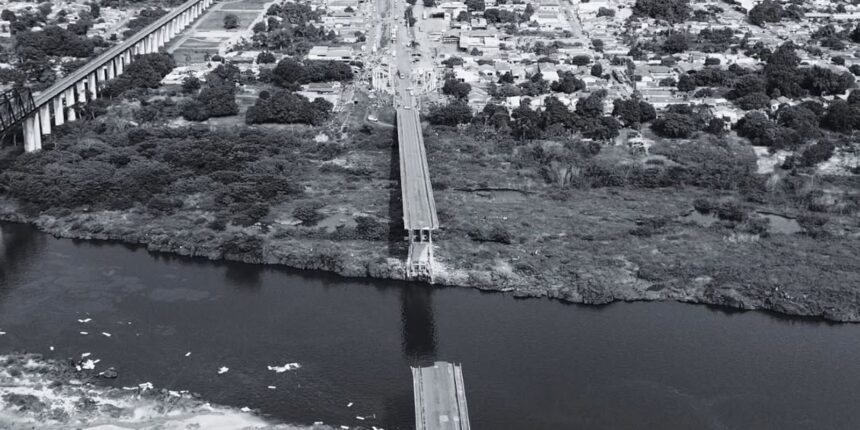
52, 348
188, 354
105, 334
2, 333
359, 417
145, 386
84, 333
245, 409
89, 364
84, 321
223, 369
271, 387
85, 355
174, 393
284, 368
349, 405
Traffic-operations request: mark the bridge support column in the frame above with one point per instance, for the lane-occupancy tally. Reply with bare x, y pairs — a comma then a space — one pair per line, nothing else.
82, 91
127, 57
91, 82
59, 114
70, 104
109, 68
117, 62
45, 116
32, 136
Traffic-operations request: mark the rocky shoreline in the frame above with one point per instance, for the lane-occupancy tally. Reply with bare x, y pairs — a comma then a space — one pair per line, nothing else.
363, 259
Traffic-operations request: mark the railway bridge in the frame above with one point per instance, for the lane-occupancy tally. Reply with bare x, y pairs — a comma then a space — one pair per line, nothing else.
56, 105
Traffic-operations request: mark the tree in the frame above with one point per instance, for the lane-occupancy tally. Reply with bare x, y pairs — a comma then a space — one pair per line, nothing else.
633, 111
286, 107
674, 125
766, 11
219, 100
429, 3
453, 61
567, 83
841, 117
475, 5
753, 101
265, 57
747, 84
675, 43
821, 81
259, 27
674, 11
712, 61
591, 106
686, 83
190, 84
7, 15
455, 112
597, 70
580, 60
231, 21
455, 88
526, 122
604, 11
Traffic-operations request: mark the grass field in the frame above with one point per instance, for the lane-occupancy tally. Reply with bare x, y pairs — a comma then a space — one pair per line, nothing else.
215, 20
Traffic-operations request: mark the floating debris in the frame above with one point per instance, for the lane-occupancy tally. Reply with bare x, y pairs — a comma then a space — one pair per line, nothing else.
85, 320
223, 370
359, 417
51, 348
271, 387
145, 386
284, 368
188, 354
2, 333
84, 333
174, 393
105, 334
349, 405
90, 364
85, 355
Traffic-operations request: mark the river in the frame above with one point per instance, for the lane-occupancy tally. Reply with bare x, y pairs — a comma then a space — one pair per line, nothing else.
528, 364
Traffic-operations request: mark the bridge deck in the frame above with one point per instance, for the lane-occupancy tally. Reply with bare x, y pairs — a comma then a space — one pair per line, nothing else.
419, 207
105, 57
440, 397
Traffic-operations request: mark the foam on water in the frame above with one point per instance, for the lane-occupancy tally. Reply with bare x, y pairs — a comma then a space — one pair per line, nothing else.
36, 393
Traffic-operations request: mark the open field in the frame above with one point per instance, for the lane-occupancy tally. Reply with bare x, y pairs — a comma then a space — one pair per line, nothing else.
215, 20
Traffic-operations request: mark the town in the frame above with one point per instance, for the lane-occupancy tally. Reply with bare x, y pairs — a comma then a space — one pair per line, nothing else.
584, 151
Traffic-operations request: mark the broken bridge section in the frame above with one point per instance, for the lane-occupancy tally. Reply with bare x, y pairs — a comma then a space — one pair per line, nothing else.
419, 207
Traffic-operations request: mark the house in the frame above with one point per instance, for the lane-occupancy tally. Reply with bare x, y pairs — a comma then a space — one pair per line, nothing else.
483, 40
331, 53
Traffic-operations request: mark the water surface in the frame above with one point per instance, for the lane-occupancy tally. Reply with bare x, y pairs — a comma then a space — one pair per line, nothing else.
529, 364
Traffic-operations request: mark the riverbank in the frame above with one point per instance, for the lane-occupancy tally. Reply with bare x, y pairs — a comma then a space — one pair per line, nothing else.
679, 259
514, 218
49, 394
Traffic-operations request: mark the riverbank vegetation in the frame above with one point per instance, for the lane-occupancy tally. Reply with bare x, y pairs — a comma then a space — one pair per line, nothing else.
689, 219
